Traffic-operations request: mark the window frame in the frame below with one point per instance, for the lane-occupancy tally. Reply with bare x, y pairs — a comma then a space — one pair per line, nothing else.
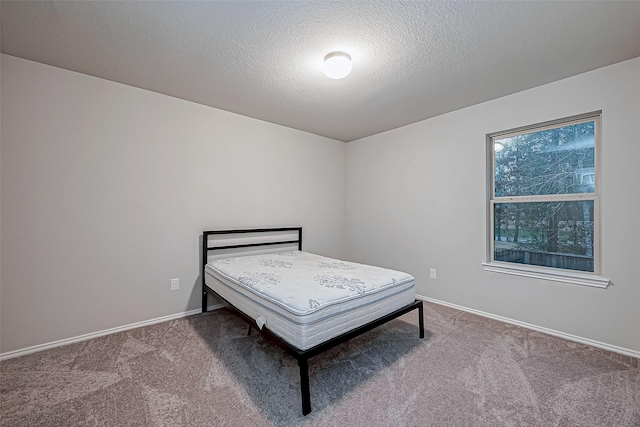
549, 273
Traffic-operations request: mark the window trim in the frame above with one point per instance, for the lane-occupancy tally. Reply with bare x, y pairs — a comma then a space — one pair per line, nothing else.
566, 276
540, 272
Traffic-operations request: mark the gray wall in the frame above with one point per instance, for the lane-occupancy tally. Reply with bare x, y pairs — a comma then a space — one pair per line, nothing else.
416, 198
106, 189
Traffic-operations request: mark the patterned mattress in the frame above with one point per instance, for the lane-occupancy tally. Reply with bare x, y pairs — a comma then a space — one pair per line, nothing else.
307, 299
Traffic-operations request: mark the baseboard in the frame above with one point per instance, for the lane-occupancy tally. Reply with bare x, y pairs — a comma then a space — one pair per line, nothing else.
570, 337
85, 337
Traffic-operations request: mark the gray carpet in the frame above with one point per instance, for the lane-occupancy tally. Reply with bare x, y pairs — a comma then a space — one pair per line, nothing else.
204, 370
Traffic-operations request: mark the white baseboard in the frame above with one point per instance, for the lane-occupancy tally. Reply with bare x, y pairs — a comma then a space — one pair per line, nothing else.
570, 337
214, 307
85, 337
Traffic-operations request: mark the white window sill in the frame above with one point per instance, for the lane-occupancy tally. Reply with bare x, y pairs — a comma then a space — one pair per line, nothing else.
547, 274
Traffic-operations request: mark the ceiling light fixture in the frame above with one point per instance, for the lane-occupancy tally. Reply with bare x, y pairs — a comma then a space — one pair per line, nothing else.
337, 65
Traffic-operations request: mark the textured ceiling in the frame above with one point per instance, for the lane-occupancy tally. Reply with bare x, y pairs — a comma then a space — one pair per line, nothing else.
411, 60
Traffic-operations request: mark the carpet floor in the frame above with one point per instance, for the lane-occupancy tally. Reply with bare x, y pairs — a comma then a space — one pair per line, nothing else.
204, 370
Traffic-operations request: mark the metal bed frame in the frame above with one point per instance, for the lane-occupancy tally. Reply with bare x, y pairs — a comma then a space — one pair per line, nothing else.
302, 356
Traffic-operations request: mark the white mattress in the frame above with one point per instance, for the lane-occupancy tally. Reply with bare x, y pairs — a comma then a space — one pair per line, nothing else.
307, 299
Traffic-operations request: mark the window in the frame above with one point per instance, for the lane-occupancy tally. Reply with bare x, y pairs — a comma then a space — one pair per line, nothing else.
544, 201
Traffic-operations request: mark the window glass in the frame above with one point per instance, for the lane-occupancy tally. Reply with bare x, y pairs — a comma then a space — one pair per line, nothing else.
551, 161
550, 234
544, 202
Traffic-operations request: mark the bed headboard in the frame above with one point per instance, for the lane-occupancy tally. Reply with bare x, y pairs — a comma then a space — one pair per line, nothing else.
225, 241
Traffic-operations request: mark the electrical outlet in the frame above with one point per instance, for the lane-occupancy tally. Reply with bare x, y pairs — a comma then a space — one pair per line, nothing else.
432, 273
175, 284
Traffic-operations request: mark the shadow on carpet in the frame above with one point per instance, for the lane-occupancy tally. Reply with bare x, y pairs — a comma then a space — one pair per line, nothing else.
271, 377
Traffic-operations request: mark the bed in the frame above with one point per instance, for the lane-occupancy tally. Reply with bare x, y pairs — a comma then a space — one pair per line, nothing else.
305, 303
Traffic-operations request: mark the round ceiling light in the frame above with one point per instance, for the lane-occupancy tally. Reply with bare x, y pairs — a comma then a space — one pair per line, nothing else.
337, 65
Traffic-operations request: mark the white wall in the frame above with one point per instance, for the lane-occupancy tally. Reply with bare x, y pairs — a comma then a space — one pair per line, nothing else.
1, 56
416, 198
106, 189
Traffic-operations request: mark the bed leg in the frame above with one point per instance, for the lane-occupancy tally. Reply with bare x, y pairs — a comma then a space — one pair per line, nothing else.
421, 319
204, 301
249, 331
304, 386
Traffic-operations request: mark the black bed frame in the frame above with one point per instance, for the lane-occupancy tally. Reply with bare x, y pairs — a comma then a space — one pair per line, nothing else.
302, 356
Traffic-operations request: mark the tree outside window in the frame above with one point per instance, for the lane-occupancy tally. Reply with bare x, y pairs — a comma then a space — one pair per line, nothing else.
544, 200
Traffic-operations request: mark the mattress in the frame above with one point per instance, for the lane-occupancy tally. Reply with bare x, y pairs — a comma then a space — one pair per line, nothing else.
307, 299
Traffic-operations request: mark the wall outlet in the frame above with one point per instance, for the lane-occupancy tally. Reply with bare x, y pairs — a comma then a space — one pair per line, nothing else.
175, 284
432, 273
